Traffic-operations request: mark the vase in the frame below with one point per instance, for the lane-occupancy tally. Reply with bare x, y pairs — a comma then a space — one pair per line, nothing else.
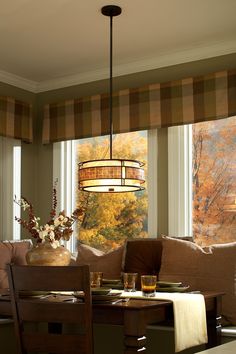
44, 254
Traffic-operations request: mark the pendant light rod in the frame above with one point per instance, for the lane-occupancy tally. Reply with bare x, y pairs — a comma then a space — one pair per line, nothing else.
111, 175
111, 11
111, 86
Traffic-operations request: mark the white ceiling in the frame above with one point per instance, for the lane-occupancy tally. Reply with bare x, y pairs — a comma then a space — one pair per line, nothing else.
49, 44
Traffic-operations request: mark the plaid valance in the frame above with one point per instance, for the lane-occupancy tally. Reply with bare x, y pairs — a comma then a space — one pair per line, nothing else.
185, 101
16, 119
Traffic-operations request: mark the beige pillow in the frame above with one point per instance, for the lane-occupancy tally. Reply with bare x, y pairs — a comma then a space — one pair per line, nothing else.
109, 263
213, 268
19, 249
5, 258
181, 261
12, 252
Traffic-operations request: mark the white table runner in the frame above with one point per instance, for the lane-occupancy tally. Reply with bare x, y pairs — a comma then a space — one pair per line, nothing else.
190, 325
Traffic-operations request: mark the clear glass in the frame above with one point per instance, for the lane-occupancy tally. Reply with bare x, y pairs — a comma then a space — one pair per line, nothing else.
96, 279
214, 181
129, 280
148, 285
111, 218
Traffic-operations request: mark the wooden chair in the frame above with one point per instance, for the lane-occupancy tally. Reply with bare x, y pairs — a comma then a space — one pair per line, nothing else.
51, 324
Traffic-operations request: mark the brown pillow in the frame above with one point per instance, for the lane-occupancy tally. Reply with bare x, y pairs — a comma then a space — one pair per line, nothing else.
12, 252
143, 256
213, 268
108, 263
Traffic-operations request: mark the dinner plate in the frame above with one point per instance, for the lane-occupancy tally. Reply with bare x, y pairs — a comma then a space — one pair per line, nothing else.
31, 293
110, 281
172, 289
115, 292
166, 284
114, 285
104, 298
100, 291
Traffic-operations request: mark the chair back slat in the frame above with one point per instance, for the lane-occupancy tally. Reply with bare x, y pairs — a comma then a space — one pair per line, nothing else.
44, 310
56, 324
68, 278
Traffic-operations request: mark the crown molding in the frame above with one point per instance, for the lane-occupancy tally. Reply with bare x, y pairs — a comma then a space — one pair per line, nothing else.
161, 60
155, 62
18, 81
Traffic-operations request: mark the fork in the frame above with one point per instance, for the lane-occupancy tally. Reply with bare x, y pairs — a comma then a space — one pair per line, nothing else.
121, 300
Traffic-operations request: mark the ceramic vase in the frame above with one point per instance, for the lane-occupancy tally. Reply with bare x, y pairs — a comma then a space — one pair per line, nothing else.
44, 254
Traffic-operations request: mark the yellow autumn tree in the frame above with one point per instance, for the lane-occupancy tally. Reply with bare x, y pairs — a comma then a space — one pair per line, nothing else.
112, 218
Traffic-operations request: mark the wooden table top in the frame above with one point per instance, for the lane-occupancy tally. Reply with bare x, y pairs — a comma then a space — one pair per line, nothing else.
136, 304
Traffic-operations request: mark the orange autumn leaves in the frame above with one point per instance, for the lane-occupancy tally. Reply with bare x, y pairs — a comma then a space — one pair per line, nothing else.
214, 181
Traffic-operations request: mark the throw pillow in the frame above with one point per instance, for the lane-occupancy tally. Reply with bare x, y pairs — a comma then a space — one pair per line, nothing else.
12, 252
181, 261
19, 249
5, 258
213, 268
109, 263
218, 272
142, 256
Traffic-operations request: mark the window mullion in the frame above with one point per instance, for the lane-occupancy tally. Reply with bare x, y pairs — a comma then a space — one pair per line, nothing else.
10, 171
152, 183
179, 181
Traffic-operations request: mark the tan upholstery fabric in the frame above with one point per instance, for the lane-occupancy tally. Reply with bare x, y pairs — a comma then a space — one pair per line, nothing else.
218, 272
11, 252
19, 250
5, 258
143, 256
213, 268
108, 263
180, 261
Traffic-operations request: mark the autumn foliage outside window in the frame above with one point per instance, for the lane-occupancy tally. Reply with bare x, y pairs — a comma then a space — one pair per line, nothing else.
111, 218
214, 181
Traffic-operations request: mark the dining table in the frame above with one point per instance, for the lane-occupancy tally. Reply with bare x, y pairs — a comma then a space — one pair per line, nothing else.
136, 314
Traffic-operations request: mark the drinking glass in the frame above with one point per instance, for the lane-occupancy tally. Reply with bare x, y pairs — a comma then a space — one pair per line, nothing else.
96, 279
129, 281
148, 285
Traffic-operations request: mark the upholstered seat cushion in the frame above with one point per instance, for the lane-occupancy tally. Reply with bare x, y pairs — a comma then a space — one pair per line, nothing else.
211, 268
12, 252
109, 263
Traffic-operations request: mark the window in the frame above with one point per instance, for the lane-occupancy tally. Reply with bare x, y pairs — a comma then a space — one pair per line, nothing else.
214, 181
10, 182
202, 171
110, 218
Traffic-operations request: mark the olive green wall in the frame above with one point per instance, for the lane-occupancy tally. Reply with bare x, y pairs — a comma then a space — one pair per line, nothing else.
29, 160
37, 159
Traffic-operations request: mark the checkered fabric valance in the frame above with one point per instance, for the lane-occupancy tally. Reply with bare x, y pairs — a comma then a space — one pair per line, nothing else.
16, 119
185, 101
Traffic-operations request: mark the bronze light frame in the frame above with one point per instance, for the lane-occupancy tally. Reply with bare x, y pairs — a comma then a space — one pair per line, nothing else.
111, 175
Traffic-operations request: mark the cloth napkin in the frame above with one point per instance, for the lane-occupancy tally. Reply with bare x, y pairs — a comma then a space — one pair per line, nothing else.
190, 325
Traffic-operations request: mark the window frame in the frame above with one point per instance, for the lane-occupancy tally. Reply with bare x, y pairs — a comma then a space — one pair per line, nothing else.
10, 186
180, 181
63, 167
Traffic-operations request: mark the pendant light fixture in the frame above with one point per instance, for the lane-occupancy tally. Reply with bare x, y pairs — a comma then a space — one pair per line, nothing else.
111, 175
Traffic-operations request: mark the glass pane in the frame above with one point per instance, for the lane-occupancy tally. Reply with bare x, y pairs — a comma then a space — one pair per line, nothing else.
111, 218
214, 181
